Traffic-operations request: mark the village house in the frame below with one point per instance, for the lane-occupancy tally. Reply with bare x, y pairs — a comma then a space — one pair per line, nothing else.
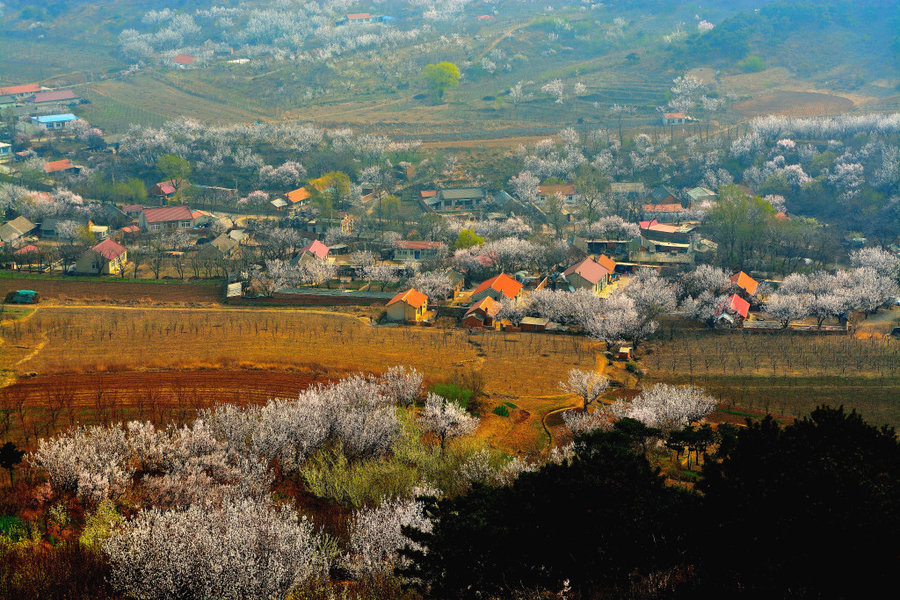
482, 313
747, 284
566, 190
498, 287
662, 195
608, 264
166, 218
410, 306
106, 258
7, 101
676, 118
60, 166
20, 92
627, 189
733, 311
298, 198
5, 152
664, 243
663, 213
315, 250
14, 230
164, 189
220, 248
53, 122
55, 99
416, 250
699, 195
587, 275
183, 61
456, 199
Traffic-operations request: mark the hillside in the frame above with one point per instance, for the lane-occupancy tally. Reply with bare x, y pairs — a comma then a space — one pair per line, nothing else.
297, 61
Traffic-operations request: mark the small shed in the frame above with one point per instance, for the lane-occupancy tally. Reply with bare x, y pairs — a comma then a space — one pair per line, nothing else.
410, 305
534, 324
625, 353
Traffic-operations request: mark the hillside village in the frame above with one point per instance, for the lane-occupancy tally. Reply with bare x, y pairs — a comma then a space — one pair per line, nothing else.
414, 300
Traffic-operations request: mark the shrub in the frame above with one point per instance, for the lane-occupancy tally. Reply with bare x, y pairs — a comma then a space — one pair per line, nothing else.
501, 410
752, 64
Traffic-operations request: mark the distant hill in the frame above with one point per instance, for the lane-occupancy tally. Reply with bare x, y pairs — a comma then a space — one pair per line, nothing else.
811, 38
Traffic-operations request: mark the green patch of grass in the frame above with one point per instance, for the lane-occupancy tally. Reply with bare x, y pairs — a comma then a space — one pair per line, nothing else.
501, 411
453, 392
13, 528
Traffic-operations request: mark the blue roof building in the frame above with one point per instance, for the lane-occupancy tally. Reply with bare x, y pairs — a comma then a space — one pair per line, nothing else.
54, 121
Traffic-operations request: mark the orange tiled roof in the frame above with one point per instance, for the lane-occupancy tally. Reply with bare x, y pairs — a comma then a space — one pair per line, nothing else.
745, 282
503, 283
411, 296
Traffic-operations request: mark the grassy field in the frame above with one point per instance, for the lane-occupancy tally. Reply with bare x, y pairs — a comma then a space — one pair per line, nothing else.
784, 373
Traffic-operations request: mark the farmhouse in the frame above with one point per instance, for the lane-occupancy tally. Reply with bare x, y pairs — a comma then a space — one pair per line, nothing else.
106, 258
700, 194
662, 195
626, 188
315, 250
745, 282
500, 286
587, 275
166, 218
221, 247
51, 122
55, 98
734, 310
415, 250
408, 306
566, 190
20, 92
482, 313
60, 166
183, 60
5, 152
15, 229
663, 213
164, 189
676, 118
457, 199
608, 264
7, 101
298, 197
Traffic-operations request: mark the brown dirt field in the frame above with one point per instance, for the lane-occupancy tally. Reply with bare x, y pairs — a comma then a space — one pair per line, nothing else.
113, 292
793, 104
85, 343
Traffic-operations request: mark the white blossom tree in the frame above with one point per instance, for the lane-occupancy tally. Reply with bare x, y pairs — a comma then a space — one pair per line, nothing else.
587, 385
446, 420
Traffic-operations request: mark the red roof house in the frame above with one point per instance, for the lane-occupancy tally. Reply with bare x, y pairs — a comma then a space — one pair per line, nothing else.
55, 96
315, 248
164, 189
166, 217
745, 282
737, 305
298, 195
482, 313
57, 166
109, 249
20, 90
184, 59
587, 274
497, 287
410, 305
